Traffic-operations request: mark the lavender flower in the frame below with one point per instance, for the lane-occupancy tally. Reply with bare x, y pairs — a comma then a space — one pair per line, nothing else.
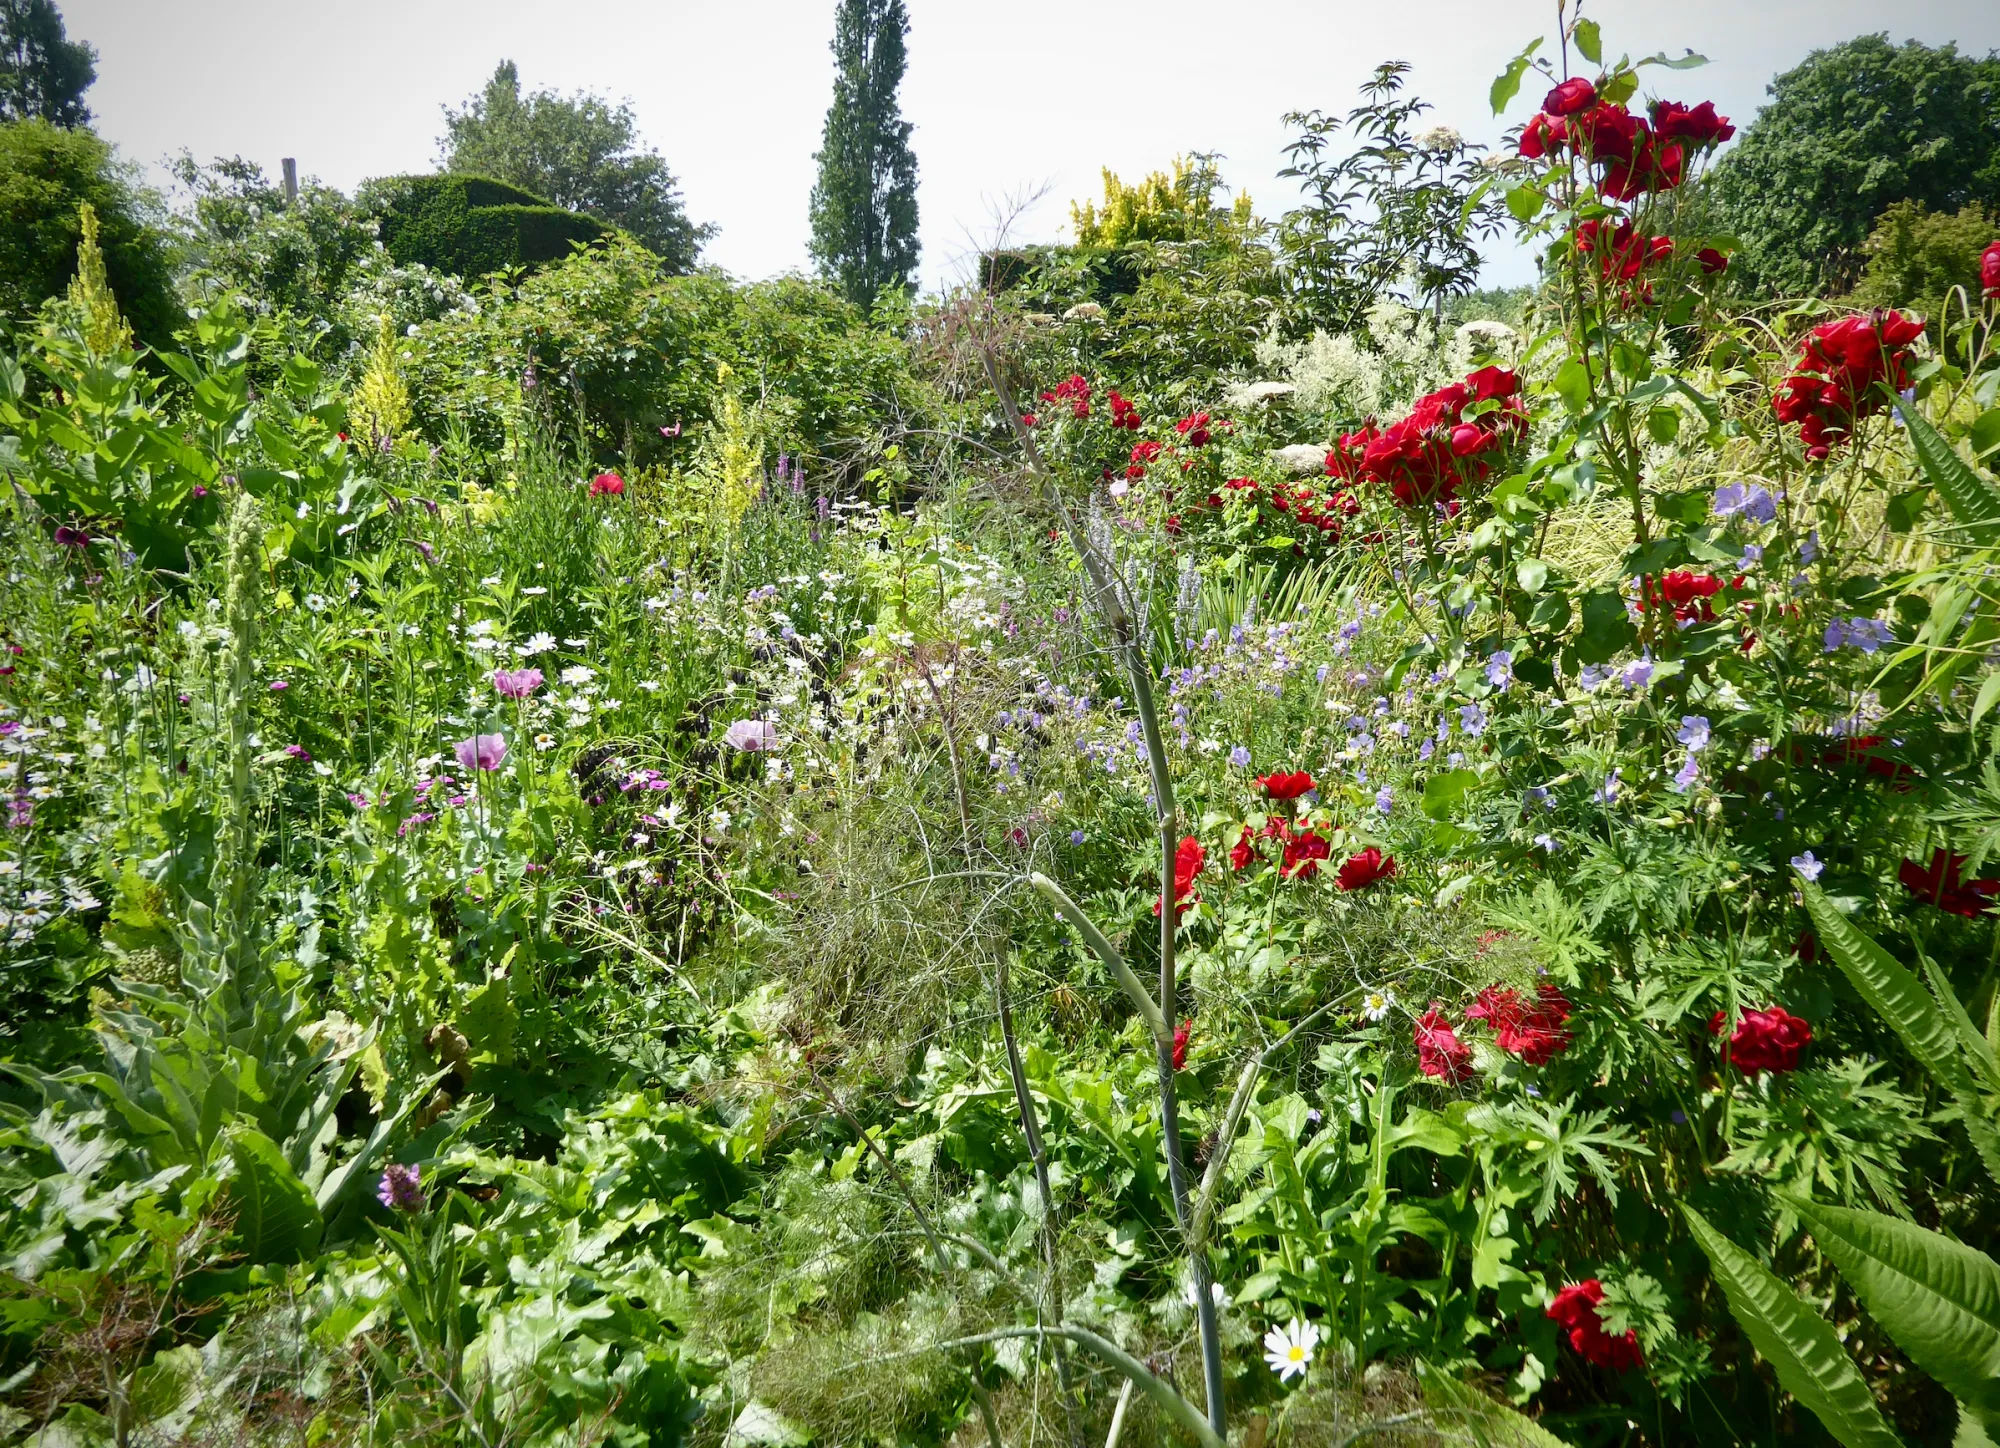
1500, 671
1807, 866
1240, 757
1745, 500
1688, 773
402, 1188
1637, 674
1472, 719
1385, 799
1694, 733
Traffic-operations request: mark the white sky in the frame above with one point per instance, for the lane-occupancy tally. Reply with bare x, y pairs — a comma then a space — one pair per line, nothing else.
1006, 100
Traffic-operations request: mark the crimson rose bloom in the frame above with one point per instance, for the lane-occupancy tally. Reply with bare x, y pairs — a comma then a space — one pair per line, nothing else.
1286, 786
1532, 1030
1700, 125
1939, 884
1542, 136
1366, 868
1575, 1308
1767, 1040
1243, 852
606, 485
1834, 382
1989, 270
1188, 860
1440, 1053
1303, 852
1571, 97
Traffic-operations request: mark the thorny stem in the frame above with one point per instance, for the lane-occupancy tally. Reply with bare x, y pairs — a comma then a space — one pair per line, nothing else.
1138, 672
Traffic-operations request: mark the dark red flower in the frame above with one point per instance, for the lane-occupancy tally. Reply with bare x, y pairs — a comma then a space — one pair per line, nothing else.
1028, 419
1712, 261
1700, 125
1575, 1307
1570, 97
68, 537
1303, 852
1607, 132
1440, 1053
1182, 1034
1286, 786
1533, 1030
1767, 1040
1123, 414
1188, 860
1194, 428
1368, 867
1542, 136
1244, 852
1650, 167
1075, 392
1989, 270
1844, 370
1939, 884
606, 485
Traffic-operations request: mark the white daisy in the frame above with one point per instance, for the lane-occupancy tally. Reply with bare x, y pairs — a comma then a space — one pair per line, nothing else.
1289, 1349
1376, 1004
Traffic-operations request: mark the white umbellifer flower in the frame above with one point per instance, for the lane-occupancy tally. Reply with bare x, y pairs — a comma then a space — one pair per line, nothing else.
1440, 138
1376, 1004
1289, 1349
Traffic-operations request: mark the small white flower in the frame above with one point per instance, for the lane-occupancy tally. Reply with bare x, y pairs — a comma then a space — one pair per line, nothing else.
539, 643
577, 674
1377, 1004
1289, 1350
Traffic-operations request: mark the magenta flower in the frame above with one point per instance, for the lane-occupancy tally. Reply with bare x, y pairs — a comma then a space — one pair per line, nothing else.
402, 1188
298, 751
278, 686
752, 736
481, 751
67, 537
517, 683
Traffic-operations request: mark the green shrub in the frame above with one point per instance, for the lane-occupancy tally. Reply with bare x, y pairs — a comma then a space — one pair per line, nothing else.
46, 173
1917, 256
470, 226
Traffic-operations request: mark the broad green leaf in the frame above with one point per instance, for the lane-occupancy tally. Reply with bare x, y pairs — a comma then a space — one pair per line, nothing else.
1573, 385
1939, 1299
276, 1218
1588, 41
1524, 202
1532, 574
1469, 1412
1891, 988
1973, 500
1989, 694
1798, 1343
1442, 792
1507, 84
1977, 1049
1970, 1434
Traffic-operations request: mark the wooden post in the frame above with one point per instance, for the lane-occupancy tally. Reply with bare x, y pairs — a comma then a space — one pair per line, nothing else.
291, 179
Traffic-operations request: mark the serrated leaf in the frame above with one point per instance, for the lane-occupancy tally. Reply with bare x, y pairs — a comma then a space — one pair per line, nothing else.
1973, 500
1891, 988
1798, 1343
1507, 84
1939, 1299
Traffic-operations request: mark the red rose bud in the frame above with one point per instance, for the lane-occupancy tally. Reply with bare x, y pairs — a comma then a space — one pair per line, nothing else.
1572, 97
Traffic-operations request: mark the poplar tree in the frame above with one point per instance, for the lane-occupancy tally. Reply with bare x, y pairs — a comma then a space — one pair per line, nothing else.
864, 207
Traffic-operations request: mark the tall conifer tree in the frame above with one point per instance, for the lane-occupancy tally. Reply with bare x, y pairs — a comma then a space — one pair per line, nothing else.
864, 207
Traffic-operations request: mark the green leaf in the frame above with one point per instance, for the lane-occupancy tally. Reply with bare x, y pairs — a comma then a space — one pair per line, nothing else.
276, 1218
1524, 202
1507, 84
1891, 988
1687, 61
1532, 574
1939, 1299
1796, 1340
1588, 41
1442, 792
1985, 434
1972, 499
1463, 1408
1573, 385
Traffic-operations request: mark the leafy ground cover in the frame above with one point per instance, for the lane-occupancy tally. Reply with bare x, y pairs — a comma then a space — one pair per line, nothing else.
645, 861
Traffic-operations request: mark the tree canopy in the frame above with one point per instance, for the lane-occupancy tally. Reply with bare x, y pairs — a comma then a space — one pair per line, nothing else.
864, 207
43, 73
581, 152
1848, 132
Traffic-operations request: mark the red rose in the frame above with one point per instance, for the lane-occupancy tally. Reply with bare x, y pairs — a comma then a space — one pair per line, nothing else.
1575, 1307
1712, 261
1608, 132
1243, 852
1767, 1040
1188, 860
1367, 868
606, 485
1843, 370
1303, 852
1989, 269
1543, 136
1534, 1031
1572, 97
1673, 121
1286, 786
1182, 1033
1440, 1053
1939, 884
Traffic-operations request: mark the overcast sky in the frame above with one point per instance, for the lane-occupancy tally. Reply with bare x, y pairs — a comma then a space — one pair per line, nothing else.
1007, 100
